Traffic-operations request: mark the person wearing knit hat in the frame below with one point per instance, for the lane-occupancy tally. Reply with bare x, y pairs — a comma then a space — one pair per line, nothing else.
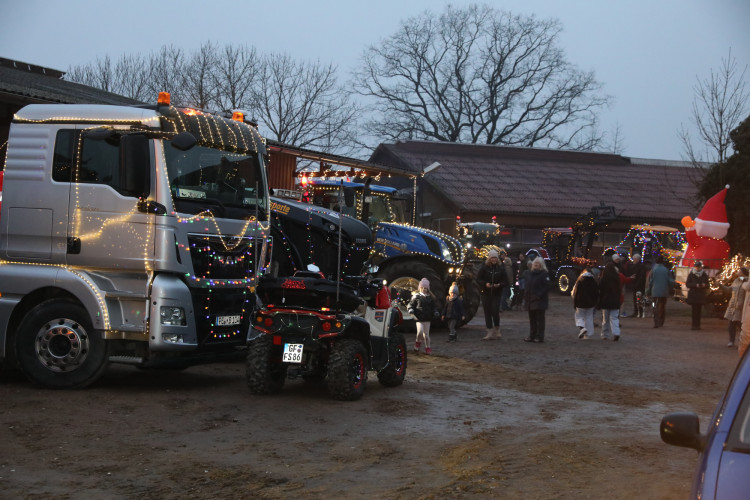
492, 278
453, 311
422, 307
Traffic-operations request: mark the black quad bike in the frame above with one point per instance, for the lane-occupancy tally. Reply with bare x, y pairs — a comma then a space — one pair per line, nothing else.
310, 327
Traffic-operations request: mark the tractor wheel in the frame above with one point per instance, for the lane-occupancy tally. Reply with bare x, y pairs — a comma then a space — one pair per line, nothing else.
405, 276
566, 280
472, 298
393, 374
264, 372
347, 370
57, 347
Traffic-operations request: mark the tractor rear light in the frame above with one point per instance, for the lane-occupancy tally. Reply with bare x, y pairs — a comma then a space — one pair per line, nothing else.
268, 321
326, 326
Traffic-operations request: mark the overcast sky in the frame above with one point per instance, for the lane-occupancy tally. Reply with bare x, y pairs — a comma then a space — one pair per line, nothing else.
647, 53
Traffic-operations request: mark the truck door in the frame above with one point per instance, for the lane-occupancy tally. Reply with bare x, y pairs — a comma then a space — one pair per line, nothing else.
106, 230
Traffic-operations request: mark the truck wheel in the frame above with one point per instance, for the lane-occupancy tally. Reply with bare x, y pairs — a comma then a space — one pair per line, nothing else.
565, 281
347, 370
393, 374
57, 347
406, 275
264, 372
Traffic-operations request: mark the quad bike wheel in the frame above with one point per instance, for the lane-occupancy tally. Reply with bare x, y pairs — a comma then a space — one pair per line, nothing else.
264, 373
347, 370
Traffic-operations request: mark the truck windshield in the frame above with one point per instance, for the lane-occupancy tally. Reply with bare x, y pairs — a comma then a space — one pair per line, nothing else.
224, 182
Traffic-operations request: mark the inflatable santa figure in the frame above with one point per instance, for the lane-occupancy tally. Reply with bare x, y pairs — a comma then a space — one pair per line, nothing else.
705, 235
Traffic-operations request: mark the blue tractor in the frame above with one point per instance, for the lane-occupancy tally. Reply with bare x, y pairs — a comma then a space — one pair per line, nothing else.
402, 254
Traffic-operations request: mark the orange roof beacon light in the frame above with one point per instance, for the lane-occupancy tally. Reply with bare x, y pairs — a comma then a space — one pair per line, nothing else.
164, 99
238, 116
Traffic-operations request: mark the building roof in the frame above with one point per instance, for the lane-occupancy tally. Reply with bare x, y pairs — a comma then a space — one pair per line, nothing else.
27, 83
333, 159
505, 180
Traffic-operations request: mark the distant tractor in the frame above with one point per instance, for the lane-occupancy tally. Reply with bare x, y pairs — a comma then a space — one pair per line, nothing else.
650, 242
567, 250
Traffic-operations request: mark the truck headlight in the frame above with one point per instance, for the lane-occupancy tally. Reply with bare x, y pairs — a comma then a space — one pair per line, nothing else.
172, 316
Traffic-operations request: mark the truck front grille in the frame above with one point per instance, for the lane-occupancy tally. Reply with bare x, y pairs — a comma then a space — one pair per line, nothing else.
217, 257
212, 304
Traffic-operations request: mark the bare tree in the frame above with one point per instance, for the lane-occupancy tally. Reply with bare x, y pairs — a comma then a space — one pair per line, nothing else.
131, 75
235, 76
166, 73
199, 85
99, 74
128, 76
479, 75
303, 104
614, 140
299, 103
719, 105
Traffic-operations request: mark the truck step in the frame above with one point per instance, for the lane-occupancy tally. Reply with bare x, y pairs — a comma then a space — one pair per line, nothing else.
129, 360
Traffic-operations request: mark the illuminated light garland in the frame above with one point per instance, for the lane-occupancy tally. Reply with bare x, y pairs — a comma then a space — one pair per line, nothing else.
80, 119
644, 234
204, 124
72, 270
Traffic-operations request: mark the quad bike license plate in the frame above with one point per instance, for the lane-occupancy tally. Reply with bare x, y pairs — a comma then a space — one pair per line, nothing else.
292, 353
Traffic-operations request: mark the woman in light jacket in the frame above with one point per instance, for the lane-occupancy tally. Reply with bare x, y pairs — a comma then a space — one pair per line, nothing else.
734, 307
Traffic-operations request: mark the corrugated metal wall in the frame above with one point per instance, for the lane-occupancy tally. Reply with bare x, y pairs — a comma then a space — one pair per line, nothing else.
281, 171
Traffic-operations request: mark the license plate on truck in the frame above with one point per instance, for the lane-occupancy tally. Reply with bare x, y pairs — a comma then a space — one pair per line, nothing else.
227, 320
292, 353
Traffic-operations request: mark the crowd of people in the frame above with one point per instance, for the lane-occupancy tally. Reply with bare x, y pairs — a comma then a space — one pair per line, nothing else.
525, 284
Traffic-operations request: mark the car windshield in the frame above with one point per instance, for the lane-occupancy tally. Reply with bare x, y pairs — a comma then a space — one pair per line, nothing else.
203, 178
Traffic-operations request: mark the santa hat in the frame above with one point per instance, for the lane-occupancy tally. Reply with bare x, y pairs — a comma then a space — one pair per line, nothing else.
712, 219
425, 283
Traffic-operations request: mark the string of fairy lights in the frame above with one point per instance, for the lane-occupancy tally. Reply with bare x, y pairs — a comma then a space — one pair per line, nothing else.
211, 130
644, 237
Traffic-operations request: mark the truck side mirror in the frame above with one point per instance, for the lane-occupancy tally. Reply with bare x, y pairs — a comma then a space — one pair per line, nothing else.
184, 141
135, 165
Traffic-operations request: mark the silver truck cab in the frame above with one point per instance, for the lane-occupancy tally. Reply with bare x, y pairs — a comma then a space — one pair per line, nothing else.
128, 234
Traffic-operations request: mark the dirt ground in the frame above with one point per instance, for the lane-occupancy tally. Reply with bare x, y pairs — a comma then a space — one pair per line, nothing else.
563, 419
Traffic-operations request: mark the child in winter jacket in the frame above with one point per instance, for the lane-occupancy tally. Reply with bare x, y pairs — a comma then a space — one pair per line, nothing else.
453, 310
422, 306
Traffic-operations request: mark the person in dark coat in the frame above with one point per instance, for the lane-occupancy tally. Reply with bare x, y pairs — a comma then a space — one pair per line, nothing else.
610, 298
491, 279
453, 311
518, 285
585, 297
537, 299
697, 284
